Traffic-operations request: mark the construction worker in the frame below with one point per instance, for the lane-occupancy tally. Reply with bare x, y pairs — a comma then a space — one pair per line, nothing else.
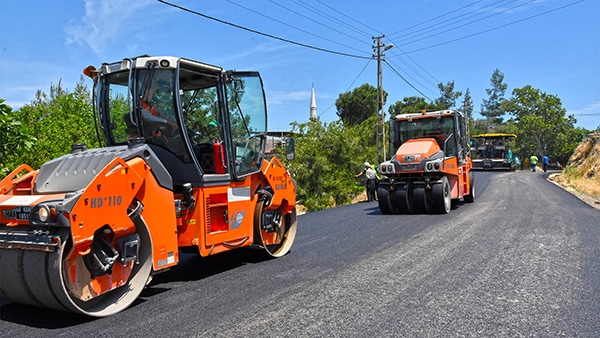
156, 102
545, 162
158, 118
370, 181
533, 160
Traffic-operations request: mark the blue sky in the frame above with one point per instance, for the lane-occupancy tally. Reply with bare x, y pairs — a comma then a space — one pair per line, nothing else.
552, 45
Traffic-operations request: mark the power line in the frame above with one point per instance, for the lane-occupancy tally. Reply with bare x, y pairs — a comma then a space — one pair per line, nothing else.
416, 71
405, 80
261, 33
455, 27
408, 75
437, 17
350, 86
317, 22
287, 24
497, 27
337, 11
331, 17
451, 21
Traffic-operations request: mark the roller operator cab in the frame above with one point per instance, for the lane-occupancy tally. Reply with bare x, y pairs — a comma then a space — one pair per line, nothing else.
183, 169
430, 167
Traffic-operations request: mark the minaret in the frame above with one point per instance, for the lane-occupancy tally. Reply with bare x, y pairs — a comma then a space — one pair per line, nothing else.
313, 104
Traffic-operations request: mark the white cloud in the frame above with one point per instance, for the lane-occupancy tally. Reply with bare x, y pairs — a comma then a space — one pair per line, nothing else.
592, 108
103, 20
280, 97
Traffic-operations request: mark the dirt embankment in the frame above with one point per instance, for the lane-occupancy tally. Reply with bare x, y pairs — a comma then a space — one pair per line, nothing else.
581, 175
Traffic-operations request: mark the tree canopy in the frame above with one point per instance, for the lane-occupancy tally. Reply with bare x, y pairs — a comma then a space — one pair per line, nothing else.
358, 105
46, 127
448, 97
491, 108
541, 124
411, 104
327, 158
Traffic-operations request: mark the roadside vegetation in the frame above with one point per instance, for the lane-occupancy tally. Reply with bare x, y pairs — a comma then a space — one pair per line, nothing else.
328, 155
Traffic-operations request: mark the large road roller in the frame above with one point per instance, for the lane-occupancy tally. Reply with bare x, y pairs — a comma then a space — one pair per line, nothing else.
182, 168
431, 167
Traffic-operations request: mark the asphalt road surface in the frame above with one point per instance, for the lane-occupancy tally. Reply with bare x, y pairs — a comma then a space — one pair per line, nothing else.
523, 260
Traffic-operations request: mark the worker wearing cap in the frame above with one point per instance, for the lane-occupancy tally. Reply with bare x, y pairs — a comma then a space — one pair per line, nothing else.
370, 181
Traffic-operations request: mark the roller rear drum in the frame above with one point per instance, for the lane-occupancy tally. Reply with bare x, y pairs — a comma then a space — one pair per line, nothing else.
61, 280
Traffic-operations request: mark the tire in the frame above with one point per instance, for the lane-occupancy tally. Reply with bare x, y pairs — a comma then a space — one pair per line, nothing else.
384, 199
419, 201
403, 198
278, 242
440, 194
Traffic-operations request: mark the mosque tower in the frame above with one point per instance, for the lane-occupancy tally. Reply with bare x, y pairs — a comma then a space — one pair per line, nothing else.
313, 104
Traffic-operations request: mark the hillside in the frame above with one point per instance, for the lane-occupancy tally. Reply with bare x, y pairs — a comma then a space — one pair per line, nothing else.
581, 175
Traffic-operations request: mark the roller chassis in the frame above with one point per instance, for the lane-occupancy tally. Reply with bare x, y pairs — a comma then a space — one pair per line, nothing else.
430, 171
86, 231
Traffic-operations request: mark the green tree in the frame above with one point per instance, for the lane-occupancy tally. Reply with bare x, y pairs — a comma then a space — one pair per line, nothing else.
467, 106
492, 107
56, 121
358, 105
412, 104
448, 97
13, 140
541, 124
327, 158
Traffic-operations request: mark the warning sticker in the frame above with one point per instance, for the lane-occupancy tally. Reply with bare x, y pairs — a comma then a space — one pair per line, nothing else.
21, 200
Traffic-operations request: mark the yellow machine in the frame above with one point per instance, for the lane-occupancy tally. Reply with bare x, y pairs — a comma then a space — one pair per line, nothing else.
183, 168
493, 151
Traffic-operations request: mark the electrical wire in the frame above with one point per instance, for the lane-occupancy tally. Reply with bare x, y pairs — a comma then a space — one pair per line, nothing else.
435, 18
453, 21
369, 58
412, 78
261, 33
358, 22
350, 86
317, 22
497, 27
416, 71
455, 27
287, 24
407, 82
331, 18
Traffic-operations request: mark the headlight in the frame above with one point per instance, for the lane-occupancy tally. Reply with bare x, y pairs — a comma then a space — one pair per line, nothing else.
43, 213
387, 168
433, 166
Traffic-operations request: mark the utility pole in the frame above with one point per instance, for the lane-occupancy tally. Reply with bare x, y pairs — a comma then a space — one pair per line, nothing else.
378, 49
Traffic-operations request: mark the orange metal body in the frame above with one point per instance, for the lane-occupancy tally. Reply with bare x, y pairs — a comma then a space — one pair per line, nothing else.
457, 173
220, 221
86, 231
223, 220
431, 166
